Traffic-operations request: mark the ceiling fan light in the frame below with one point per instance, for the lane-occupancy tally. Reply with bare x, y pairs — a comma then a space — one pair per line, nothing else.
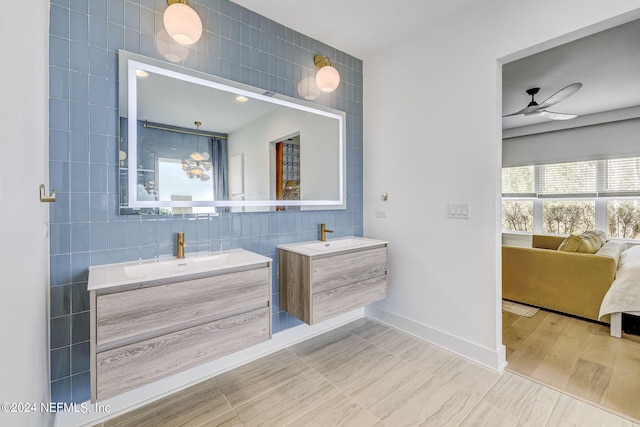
182, 23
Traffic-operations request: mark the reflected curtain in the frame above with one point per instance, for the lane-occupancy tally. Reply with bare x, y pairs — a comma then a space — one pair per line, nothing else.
220, 156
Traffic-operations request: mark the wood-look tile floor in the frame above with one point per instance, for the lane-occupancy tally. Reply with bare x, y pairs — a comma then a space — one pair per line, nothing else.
367, 374
577, 357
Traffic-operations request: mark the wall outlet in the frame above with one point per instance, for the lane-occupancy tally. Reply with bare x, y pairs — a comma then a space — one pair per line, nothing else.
459, 210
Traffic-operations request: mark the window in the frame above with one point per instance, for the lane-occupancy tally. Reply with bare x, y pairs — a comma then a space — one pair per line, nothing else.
623, 219
570, 198
517, 215
568, 216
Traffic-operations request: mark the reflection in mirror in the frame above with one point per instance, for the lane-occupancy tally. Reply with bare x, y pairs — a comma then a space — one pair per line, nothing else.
201, 145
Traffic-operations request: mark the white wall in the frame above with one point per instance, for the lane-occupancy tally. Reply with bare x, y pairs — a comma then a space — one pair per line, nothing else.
24, 252
432, 135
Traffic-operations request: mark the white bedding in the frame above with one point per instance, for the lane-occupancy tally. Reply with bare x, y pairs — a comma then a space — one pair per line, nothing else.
624, 293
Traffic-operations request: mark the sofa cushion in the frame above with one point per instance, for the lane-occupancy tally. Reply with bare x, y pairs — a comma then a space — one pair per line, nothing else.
588, 242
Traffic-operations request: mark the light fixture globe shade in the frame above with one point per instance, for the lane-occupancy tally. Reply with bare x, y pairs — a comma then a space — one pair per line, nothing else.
170, 50
182, 23
308, 89
327, 78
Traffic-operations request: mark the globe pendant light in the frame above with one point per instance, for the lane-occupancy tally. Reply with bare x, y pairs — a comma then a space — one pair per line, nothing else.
182, 22
327, 77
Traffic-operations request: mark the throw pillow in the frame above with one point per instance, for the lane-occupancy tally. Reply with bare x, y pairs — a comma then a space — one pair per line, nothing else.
592, 241
570, 244
588, 242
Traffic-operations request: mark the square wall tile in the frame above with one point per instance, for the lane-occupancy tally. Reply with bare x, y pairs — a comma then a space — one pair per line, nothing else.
61, 390
60, 301
81, 387
60, 332
79, 298
60, 366
80, 357
80, 327
79, 56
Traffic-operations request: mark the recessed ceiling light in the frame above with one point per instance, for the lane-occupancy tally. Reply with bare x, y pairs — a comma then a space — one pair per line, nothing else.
241, 98
141, 73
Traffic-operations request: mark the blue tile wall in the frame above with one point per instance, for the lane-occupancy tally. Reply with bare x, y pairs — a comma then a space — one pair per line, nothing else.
86, 227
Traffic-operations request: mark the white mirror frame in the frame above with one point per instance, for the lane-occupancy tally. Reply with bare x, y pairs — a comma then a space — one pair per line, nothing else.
130, 62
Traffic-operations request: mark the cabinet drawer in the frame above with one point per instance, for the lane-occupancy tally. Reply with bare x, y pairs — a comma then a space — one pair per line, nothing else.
341, 270
126, 317
134, 365
346, 298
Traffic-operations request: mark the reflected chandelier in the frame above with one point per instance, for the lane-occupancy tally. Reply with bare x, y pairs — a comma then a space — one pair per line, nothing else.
198, 162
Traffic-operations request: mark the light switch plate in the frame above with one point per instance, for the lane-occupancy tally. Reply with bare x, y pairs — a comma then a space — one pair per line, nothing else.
459, 210
381, 213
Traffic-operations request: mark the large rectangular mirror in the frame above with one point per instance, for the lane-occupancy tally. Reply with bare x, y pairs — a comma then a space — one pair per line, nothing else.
196, 143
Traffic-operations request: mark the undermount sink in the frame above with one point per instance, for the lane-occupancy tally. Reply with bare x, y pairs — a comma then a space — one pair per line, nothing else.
332, 245
127, 273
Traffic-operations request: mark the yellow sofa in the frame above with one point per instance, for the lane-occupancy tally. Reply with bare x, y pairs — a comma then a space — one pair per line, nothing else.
569, 282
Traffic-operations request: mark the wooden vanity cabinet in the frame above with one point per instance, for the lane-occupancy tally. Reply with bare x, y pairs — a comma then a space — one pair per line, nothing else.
319, 287
143, 332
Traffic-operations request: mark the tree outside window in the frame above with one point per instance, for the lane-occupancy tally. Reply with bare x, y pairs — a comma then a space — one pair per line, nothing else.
623, 218
517, 215
568, 217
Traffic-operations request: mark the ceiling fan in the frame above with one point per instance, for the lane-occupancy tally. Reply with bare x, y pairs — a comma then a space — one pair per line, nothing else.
535, 109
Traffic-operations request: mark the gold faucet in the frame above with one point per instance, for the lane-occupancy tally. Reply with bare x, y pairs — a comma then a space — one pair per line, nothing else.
181, 245
323, 232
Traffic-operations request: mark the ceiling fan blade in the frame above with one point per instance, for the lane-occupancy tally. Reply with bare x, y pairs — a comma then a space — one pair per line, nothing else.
524, 110
560, 95
556, 116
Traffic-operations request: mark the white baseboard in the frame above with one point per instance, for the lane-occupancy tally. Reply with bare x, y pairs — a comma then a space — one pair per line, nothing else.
126, 402
491, 358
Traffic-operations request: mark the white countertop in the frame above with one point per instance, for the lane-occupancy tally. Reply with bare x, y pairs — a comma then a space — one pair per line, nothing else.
343, 244
127, 273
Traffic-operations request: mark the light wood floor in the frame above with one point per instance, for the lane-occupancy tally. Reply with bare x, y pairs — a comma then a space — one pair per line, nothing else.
367, 374
577, 357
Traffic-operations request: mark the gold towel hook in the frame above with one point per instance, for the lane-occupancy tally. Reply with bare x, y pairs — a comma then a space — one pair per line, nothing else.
43, 195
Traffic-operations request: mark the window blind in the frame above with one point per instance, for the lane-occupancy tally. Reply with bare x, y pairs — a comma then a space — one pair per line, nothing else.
620, 177
518, 181
587, 179
575, 179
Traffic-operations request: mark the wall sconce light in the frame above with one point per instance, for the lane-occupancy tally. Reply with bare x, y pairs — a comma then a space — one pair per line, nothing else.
182, 22
327, 77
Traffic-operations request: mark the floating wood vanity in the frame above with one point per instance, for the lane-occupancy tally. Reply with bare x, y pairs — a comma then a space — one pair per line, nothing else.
152, 319
320, 280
